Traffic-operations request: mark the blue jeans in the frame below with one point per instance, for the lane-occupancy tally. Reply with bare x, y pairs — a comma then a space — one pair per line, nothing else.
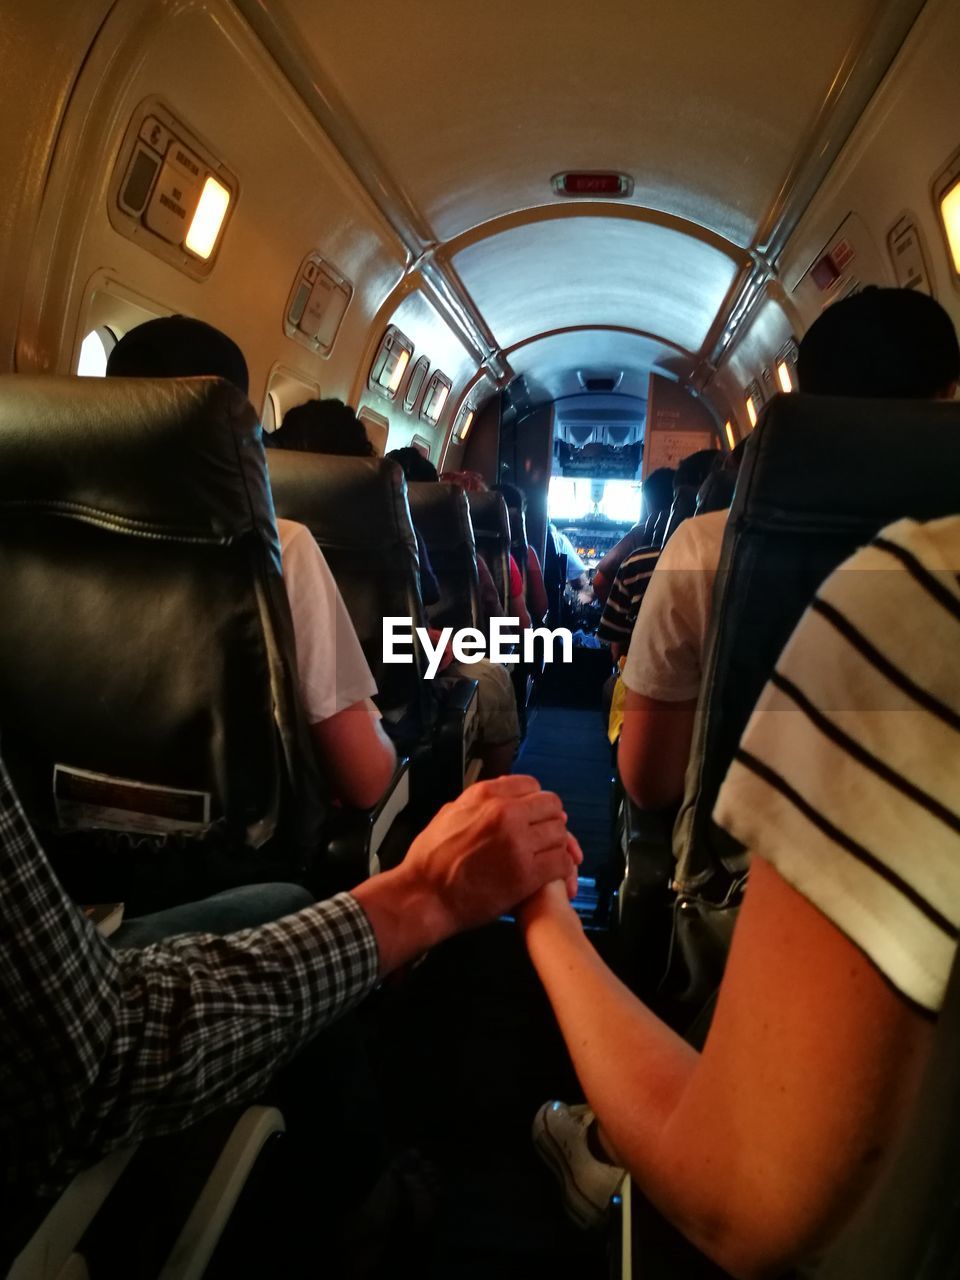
245, 907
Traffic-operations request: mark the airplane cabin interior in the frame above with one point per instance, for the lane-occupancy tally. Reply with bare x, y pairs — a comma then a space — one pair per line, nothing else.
555, 247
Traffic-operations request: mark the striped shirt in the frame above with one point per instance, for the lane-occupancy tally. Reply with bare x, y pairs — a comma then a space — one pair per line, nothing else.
100, 1048
847, 779
623, 602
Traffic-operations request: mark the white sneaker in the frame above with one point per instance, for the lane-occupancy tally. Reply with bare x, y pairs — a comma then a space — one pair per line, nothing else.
560, 1137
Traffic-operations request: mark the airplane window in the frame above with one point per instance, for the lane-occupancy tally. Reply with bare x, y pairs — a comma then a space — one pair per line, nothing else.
784, 377
752, 411
731, 439
94, 351
270, 419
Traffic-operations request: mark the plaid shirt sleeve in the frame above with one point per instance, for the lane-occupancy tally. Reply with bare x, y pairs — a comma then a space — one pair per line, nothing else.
101, 1048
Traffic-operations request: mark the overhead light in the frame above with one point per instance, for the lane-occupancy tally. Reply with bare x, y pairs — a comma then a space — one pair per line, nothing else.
731, 441
950, 212
403, 359
467, 424
208, 219
784, 377
751, 411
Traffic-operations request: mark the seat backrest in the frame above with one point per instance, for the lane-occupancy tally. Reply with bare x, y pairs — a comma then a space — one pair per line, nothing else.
684, 506
716, 492
148, 700
356, 509
517, 520
442, 518
820, 477
491, 531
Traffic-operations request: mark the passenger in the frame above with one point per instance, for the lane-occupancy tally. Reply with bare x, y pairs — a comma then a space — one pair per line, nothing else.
880, 342
536, 593
576, 569
844, 791
330, 426
499, 722
633, 577
102, 1048
335, 682
657, 491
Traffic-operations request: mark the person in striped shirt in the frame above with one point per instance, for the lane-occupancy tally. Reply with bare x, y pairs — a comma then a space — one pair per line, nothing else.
844, 789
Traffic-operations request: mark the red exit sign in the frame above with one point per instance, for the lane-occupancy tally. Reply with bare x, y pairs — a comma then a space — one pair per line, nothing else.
593, 185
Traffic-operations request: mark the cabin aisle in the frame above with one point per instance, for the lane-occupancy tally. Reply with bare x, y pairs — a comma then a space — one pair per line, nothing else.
567, 751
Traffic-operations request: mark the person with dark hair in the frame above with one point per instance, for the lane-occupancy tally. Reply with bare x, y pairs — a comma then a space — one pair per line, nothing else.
336, 684
536, 592
633, 577
499, 722
657, 493
416, 466
882, 344
878, 343
322, 426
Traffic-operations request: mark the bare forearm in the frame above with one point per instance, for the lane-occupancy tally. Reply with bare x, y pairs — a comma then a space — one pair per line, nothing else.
632, 1067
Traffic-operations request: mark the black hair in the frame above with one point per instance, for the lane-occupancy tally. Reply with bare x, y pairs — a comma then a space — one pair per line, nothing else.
693, 470
880, 343
657, 491
413, 464
322, 426
512, 495
178, 347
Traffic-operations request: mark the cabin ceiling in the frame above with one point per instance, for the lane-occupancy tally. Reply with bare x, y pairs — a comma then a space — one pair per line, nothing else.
458, 118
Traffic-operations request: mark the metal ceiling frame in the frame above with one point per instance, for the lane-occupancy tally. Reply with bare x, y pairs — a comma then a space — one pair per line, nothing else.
866, 61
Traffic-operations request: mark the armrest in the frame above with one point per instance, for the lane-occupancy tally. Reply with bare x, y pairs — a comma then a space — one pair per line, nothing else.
455, 737
354, 836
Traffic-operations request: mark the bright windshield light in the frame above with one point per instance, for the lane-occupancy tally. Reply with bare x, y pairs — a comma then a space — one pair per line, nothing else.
621, 501
568, 499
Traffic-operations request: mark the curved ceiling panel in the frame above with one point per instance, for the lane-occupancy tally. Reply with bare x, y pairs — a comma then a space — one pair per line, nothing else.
582, 272
704, 104
550, 365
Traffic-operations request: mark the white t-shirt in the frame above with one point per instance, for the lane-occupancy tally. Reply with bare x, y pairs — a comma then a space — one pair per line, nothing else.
333, 671
667, 649
575, 566
847, 778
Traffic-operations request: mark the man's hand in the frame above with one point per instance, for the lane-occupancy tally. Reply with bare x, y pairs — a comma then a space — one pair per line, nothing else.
493, 847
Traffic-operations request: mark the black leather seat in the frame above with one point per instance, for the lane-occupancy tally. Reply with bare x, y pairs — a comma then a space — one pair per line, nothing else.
491, 531
148, 697
716, 492
684, 506
357, 510
442, 518
819, 478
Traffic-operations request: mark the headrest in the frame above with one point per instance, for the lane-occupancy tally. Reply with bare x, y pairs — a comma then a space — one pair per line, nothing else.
441, 515
876, 461
684, 505
165, 458
359, 502
488, 512
716, 492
